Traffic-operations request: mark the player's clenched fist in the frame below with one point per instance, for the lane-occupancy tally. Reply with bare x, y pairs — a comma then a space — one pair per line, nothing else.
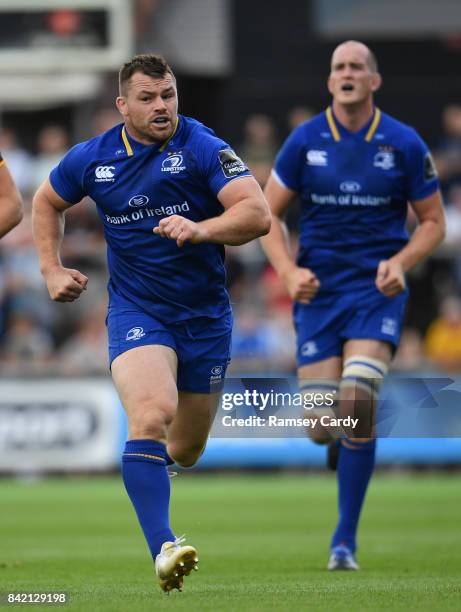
301, 283
390, 279
65, 284
180, 229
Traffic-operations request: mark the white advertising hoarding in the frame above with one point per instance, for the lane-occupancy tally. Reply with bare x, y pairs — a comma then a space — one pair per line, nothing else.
58, 425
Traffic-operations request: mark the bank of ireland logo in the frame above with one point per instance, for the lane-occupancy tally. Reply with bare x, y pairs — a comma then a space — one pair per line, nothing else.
138, 200
135, 333
350, 187
174, 163
104, 174
216, 374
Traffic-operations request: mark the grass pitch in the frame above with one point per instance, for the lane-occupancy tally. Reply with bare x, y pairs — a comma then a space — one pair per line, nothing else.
262, 541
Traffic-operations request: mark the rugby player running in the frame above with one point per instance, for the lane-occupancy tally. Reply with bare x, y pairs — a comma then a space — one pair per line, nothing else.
170, 194
354, 169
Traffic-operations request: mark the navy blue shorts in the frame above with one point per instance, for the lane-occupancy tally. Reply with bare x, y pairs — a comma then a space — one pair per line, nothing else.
323, 327
202, 345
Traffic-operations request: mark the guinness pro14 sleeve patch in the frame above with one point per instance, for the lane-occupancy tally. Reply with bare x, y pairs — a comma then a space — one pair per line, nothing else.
430, 170
231, 164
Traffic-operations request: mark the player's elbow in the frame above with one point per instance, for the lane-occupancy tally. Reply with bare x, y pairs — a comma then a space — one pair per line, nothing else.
442, 229
14, 211
439, 231
267, 224
264, 221
38, 202
18, 211
42, 205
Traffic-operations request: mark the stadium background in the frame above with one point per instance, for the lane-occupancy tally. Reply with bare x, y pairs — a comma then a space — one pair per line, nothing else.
251, 72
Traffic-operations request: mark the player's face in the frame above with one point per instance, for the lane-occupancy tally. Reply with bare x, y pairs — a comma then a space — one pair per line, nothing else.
150, 107
351, 81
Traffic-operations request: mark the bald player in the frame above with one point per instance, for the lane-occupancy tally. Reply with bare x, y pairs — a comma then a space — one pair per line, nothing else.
355, 170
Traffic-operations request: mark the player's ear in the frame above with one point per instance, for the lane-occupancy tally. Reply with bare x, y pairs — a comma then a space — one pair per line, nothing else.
376, 81
120, 103
329, 85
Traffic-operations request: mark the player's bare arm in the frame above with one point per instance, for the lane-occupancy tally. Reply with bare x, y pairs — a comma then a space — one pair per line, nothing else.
10, 202
301, 283
390, 278
64, 284
246, 217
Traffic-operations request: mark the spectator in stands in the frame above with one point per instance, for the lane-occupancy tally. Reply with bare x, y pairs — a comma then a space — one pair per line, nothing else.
298, 115
262, 343
11, 208
443, 339
452, 244
21, 274
258, 149
448, 153
53, 143
277, 299
84, 229
85, 353
259, 146
410, 354
453, 215
18, 160
104, 119
27, 348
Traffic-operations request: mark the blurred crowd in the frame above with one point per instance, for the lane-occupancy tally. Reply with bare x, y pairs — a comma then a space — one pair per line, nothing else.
39, 337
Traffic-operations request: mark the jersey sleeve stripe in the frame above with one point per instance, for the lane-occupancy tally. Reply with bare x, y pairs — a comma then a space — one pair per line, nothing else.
279, 180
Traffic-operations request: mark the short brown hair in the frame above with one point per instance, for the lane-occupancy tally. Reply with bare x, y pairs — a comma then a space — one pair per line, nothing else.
153, 65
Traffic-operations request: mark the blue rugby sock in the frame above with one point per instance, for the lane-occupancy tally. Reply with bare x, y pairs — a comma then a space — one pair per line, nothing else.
355, 467
148, 486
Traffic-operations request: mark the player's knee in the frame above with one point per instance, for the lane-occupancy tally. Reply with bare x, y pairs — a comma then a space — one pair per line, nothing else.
361, 382
186, 461
319, 435
151, 414
185, 456
319, 399
356, 443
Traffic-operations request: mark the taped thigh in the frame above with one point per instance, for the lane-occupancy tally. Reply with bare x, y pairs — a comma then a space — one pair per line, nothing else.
320, 398
364, 373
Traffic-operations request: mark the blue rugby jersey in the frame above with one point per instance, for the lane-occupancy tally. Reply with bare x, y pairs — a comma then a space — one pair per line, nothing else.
134, 186
354, 189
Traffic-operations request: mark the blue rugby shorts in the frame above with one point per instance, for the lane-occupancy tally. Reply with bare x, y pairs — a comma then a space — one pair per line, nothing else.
323, 326
202, 345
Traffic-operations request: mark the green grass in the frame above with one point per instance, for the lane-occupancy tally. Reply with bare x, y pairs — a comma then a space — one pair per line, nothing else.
263, 543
